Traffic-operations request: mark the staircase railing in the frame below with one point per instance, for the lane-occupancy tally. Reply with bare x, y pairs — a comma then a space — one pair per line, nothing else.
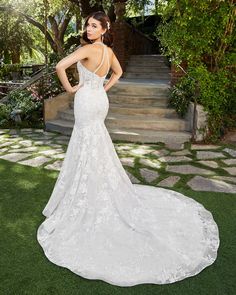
138, 42
130, 41
35, 78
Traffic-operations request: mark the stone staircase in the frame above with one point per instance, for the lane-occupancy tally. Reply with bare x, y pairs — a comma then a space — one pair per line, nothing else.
154, 67
138, 106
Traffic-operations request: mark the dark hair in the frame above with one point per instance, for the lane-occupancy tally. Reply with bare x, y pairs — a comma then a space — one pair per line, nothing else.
103, 18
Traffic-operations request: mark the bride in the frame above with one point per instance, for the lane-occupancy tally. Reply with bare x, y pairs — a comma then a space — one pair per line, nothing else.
98, 224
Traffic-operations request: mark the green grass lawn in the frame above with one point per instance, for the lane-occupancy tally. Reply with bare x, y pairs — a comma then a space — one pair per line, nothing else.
24, 269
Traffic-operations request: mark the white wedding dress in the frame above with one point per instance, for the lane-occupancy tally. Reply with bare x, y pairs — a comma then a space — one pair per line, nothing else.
101, 226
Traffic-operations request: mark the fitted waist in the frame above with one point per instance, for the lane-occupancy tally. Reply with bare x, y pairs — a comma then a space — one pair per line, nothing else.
92, 84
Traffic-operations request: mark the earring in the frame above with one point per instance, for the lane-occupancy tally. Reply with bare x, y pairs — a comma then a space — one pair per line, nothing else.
102, 38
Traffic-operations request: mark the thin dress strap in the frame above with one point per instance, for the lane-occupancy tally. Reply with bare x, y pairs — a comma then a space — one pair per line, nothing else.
108, 61
103, 55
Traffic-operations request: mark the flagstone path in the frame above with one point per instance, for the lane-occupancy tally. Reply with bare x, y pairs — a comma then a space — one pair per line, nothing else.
199, 167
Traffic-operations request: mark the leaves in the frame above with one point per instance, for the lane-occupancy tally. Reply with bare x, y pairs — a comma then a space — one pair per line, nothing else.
201, 34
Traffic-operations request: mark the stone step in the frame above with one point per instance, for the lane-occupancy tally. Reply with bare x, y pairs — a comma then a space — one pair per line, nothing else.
135, 110
146, 69
140, 87
149, 63
148, 136
124, 134
148, 57
136, 100
148, 75
142, 122
59, 125
67, 115
129, 110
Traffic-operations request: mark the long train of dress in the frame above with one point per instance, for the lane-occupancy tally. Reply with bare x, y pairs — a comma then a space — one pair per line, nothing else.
101, 226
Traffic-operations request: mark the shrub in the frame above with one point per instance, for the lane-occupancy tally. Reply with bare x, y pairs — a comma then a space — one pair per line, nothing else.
201, 35
215, 94
29, 104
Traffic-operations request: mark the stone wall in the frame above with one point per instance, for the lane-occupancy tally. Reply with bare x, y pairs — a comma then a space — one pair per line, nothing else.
200, 121
55, 104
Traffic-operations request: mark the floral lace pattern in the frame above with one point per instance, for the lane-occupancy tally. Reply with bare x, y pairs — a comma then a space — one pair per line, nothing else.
101, 226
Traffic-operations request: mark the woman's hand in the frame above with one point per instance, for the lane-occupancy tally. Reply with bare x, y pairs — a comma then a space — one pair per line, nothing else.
74, 88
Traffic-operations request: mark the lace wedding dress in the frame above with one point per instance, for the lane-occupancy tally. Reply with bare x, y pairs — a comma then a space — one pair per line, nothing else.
101, 226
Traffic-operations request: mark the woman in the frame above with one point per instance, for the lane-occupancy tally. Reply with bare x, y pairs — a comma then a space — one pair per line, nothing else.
100, 225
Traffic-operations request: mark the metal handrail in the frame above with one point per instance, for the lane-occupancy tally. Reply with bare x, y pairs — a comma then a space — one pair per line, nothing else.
29, 82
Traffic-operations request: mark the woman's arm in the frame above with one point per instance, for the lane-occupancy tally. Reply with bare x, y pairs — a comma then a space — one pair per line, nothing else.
66, 62
117, 72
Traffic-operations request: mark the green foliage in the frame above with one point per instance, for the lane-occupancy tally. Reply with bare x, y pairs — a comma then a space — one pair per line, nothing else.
27, 102
15, 37
193, 28
181, 95
215, 94
4, 114
201, 33
47, 87
6, 71
217, 98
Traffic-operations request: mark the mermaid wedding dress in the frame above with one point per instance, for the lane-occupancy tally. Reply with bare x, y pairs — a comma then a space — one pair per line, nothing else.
101, 226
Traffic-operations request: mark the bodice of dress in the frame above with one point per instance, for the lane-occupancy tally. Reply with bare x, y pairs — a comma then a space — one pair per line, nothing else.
89, 78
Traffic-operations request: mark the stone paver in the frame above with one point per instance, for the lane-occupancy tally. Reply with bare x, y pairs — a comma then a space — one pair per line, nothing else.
226, 178
188, 169
202, 155
62, 141
26, 130
181, 153
2, 150
204, 147
63, 137
50, 152
199, 183
229, 161
2, 137
25, 149
172, 145
7, 143
211, 164
175, 159
169, 181
150, 162
26, 142
140, 151
132, 177
15, 157
160, 153
231, 170
123, 148
16, 139
39, 148
127, 161
231, 152
35, 162
149, 175
41, 142
54, 166
55, 145
58, 156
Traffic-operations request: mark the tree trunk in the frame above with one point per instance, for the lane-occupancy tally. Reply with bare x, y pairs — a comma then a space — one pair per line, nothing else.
15, 56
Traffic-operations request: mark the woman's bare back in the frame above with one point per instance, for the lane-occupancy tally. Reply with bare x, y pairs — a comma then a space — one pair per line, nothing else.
95, 58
